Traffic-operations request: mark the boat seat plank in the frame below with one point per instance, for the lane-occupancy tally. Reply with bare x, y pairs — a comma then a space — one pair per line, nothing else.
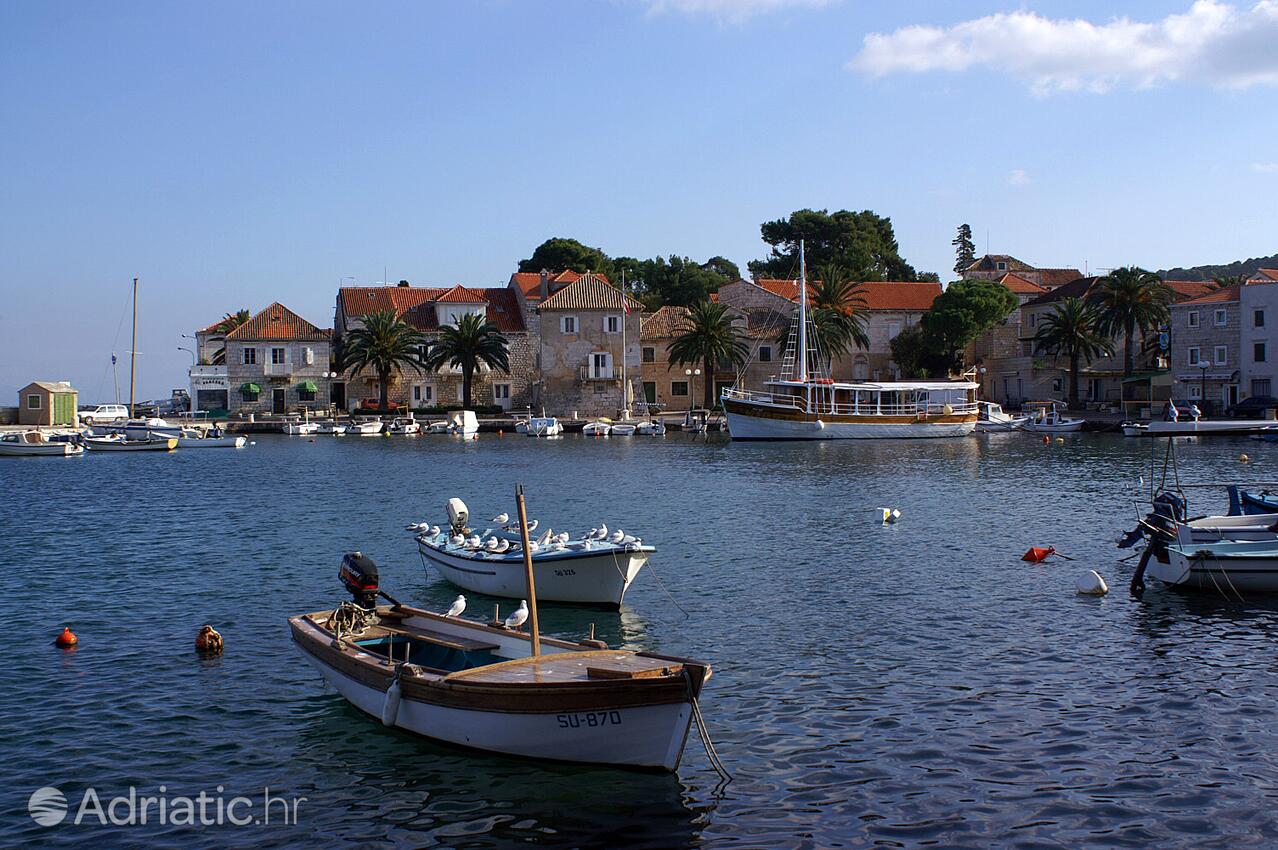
568, 667
451, 641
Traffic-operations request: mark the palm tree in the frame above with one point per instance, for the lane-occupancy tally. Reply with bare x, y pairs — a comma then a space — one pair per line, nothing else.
1224, 281
468, 343
709, 337
1128, 300
838, 313
387, 344
1073, 329
229, 322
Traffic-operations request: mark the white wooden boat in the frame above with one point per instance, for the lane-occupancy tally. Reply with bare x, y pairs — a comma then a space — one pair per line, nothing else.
1210, 427
1048, 417
404, 426
463, 422
623, 429
35, 444
651, 428
598, 428
300, 428
595, 571
440, 427
1227, 566
144, 429
365, 428
194, 438
1134, 429
992, 418
331, 427
544, 426
117, 443
485, 688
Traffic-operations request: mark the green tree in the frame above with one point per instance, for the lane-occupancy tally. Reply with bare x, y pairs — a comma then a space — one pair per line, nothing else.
708, 338
838, 313
1224, 281
229, 322
1073, 329
861, 242
678, 281
386, 343
468, 343
964, 311
964, 249
910, 353
1128, 300
723, 267
561, 254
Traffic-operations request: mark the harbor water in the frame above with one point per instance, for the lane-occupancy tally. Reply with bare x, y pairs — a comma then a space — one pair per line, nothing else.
905, 685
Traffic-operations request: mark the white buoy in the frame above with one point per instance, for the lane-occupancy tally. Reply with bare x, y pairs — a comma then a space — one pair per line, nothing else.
889, 515
390, 708
1092, 584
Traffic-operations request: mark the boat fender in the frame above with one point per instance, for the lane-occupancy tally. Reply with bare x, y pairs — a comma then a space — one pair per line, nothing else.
1091, 584
820, 425
390, 708
948, 409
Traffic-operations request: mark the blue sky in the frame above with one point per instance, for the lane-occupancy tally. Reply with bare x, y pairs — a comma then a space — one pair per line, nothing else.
233, 154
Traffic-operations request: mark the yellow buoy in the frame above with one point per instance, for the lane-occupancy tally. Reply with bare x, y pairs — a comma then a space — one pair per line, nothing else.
1243, 458
1060, 441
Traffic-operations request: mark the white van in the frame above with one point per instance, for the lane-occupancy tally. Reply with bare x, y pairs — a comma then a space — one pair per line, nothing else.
104, 413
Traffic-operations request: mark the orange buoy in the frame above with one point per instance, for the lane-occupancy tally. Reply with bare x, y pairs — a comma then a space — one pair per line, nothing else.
1047, 441
208, 641
67, 639
500, 433
1038, 554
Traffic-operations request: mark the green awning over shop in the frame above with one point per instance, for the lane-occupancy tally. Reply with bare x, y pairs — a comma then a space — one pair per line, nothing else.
250, 387
308, 387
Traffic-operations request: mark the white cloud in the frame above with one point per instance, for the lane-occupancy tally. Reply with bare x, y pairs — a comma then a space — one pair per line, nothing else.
1213, 42
1265, 167
1018, 177
734, 11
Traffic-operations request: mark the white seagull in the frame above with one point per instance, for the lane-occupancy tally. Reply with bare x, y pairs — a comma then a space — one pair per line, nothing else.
457, 540
434, 531
515, 620
473, 541
590, 535
532, 525
501, 519
459, 605
602, 532
562, 537
617, 536
502, 546
546, 537
491, 544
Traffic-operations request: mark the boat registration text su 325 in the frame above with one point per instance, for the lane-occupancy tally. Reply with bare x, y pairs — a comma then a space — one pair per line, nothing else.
804, 403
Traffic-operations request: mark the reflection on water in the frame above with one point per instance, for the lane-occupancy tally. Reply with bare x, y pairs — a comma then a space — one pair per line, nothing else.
908, 685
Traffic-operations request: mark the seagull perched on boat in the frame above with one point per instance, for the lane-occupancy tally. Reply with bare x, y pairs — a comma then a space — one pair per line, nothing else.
459, 605
630, 538
590, 535
562, 537
434, 531
532, 525
545, 538
491, 544
617, 536
602, 532
457, 540
502, 546
417, 526
473, 541
501, 519
515, 620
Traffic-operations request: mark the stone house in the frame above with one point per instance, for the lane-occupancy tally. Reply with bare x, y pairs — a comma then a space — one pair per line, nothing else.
587, 330
998, 266
277, 362
1257, 349
1264, 276
1205, 358
428, 309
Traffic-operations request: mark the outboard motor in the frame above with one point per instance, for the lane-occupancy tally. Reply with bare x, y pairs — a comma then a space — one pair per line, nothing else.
1159, 527
458, 515
359, 577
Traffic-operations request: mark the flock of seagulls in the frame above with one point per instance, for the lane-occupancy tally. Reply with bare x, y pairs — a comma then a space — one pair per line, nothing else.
548, 541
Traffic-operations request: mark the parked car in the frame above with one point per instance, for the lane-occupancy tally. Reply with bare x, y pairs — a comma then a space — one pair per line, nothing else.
103, 413
1255, 407
376, 404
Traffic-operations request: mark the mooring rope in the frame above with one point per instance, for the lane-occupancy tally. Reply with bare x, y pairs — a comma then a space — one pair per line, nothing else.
711, 753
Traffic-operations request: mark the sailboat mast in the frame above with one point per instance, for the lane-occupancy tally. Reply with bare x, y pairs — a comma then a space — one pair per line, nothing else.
133, 353
803, 315
625, 387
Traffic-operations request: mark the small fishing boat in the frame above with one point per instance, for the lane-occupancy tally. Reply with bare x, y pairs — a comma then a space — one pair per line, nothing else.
498, 689
598, 428
991, 418
1135, 429
331, 427
440, 427
35, 444
1048, 417
651, 428
1210, 427
143, 429
544, 426
300, 428
365, 428
194, 438
404, 426
463, 422
624, 429
1251, 502
596, 568
118, 443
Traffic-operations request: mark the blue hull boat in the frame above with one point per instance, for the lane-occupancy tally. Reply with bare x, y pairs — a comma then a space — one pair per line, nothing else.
1246, 503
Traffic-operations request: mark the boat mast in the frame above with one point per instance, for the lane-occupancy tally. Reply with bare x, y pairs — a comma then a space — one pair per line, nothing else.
133, 353
625, 387
528, 570
803, 316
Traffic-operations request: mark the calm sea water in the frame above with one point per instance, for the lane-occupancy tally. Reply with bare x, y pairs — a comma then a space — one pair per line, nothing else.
912, 685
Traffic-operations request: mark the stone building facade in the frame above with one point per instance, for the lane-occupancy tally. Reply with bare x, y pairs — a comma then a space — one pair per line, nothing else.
277, 362
1205, 354
1258, 315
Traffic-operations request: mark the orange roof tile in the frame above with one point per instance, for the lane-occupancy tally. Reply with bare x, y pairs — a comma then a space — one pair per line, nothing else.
415, 304
1272, 274
665, 323
1052, 278
278, 322
589, 292
1188, 288
1216, 296
461, 295
1020, 285
529, 283
878, 294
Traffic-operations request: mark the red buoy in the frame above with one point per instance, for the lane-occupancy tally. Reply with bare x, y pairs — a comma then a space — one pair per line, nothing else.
1038, 554
1047, 441
208, 641
67, 639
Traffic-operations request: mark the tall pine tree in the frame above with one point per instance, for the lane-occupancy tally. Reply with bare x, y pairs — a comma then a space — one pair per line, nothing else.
964, 249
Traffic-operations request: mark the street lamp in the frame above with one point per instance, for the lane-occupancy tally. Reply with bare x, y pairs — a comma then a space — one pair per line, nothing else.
1204, 365
188, 351
692, 384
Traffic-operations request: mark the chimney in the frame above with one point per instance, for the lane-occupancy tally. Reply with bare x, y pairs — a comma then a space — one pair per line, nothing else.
404, 284
544, 290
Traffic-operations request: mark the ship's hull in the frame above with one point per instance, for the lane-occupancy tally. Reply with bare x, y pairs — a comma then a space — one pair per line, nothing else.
753, 421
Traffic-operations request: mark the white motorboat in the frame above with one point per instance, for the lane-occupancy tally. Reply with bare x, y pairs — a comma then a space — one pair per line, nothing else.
623, 429
118, 443
440, 427
194, 438
463, 422
992, 418
1210, 427
35, 444
331, 427
499, 689
142, 429
365, 428
598, 428
1134, 429
590, 569
404, 426
544, 426
300, 428
651, 428
1048, 417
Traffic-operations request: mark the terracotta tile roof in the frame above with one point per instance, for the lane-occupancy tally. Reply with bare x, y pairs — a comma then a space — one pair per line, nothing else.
1052, 278
279, 322
665, 323
878, 294
762, 323
1216, 296
1074, 289
589, 292
1270, 274
462, 295
1020, 285
1188, 288
208, 329
529, 283
416, 304
988, 263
